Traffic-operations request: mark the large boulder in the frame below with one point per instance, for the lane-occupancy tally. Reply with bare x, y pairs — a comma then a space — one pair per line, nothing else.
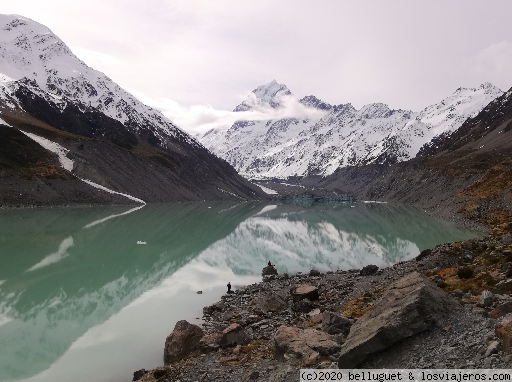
218, 307
504, 332
502, 310
369, 270
303, 306
304, 291
210, 342
486, 299
271, 302
233, 335
269, 270
139, 374
302, 344
335, 324
182, 342
410, 305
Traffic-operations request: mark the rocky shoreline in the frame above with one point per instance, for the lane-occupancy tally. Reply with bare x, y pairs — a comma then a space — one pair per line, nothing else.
451, 307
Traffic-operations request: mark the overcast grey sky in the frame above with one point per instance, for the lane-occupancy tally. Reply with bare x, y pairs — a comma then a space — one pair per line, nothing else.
204, 56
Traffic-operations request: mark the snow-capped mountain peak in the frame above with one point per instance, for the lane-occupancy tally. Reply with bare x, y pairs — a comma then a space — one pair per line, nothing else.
312, 101
118, 144
31, 50
268, 95
30, 53
343, 137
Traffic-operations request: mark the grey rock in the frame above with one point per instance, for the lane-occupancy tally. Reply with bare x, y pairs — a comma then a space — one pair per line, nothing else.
139, 374
436, 278
228, 315
269, 270
233, 335
411, 305
210, 342
506, 239
490, 323
335, 324
486, 299
271, 302
314, 272
183, 340
208, 310
299, 343
505, 267
303, 306
304, 291
369, 270
481, 311
493, 348
252, 319
423, 254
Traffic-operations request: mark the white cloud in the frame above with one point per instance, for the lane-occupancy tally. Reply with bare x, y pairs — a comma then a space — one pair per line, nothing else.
97, 60
197, 119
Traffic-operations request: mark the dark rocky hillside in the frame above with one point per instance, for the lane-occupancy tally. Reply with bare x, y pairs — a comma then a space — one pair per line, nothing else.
106, 152
483, 130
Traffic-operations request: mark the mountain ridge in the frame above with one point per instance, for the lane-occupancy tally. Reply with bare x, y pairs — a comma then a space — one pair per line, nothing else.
463, 175
114, 142
344, 136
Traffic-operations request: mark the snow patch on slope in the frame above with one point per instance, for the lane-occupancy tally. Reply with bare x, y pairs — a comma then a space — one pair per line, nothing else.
67, 163
267, 190
3, 123
99, 186
55, 148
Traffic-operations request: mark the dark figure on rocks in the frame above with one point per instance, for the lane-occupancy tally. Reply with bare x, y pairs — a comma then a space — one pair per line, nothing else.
229, 287
269, 263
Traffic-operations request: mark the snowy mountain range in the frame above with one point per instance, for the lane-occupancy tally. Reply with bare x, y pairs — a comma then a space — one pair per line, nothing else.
32, 54
342, 136
101, 134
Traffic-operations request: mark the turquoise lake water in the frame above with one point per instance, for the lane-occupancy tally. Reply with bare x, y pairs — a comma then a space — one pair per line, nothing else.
80, 300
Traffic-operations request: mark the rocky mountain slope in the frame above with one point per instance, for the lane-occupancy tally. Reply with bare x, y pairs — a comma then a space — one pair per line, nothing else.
110, 139
468, 171
336, 136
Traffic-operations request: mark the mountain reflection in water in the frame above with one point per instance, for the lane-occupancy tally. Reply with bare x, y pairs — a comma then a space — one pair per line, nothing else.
65, 272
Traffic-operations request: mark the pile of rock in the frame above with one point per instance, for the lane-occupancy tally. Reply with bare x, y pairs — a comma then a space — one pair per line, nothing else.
187, 339
269, 273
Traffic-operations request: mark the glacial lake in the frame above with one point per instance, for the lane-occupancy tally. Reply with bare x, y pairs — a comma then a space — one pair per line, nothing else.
80, 300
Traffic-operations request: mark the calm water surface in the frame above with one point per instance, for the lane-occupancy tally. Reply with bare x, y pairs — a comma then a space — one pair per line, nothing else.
80, 300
